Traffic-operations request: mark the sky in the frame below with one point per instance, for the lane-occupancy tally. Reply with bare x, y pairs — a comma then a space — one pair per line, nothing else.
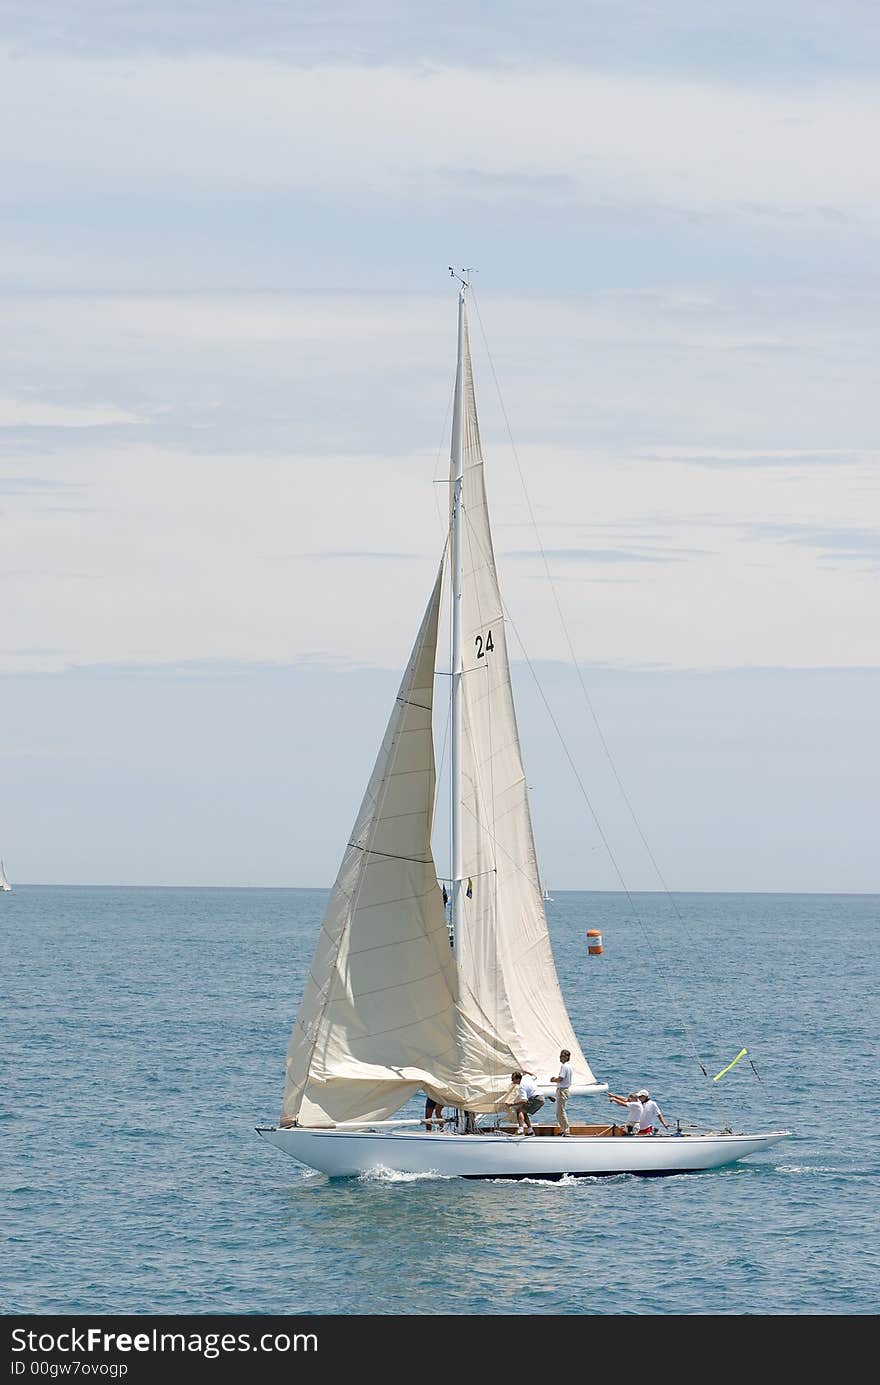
227, 334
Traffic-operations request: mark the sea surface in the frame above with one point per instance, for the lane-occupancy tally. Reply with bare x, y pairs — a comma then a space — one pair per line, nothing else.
143, 1040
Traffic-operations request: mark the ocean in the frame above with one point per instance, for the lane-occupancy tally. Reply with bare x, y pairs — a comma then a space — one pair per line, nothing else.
144, 1034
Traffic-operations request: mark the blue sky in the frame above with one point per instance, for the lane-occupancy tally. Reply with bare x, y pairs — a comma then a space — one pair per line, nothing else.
227, 336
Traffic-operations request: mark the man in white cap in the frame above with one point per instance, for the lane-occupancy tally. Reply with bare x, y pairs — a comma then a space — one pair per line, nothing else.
633, 1104
650, 1113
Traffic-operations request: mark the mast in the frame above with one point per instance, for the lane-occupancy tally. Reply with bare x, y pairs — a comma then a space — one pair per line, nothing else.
456, 564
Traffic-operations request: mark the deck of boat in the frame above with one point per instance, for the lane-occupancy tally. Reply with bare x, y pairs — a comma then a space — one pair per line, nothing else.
547, 1130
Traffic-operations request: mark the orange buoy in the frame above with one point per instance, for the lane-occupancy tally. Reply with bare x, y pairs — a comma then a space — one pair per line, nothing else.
594, 942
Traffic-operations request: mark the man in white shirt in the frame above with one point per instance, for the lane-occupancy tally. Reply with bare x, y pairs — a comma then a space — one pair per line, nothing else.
633, 1118
563, 1087
527, 1101
650, 1113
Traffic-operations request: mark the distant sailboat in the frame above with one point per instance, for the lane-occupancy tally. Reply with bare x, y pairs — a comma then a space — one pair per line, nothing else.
546, 896
389, 1008
5, 886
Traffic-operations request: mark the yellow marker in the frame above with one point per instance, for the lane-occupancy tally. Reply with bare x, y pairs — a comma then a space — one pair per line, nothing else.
742, 1053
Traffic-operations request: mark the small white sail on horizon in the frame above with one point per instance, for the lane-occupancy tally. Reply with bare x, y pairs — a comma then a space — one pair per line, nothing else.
5, 886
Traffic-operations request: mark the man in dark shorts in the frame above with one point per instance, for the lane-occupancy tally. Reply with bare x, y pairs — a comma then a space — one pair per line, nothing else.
433, 1109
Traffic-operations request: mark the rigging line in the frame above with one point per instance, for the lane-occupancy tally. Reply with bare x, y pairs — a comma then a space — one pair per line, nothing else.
508, 618
571, 651
641, 922
499, 848
400, 817
391, 855
575, 663
476, 875
479, 790
559, 612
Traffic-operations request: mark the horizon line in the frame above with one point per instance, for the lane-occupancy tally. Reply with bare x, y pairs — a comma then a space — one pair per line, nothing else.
325, 889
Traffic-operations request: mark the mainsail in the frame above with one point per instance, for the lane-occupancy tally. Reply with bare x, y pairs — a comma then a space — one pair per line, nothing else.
388, 1008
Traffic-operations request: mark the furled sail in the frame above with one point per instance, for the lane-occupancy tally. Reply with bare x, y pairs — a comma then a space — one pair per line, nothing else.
381, 1015
506, 959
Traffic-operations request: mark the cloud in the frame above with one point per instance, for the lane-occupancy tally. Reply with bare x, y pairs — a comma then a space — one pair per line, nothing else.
789, 458
183, 557
280, 471
35, 413
843, 544
33, 485
728, 376
672, 377
602, 555
787, 38
355, 555
350, 132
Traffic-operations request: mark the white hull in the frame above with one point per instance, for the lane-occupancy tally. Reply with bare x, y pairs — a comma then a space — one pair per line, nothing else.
349, 1153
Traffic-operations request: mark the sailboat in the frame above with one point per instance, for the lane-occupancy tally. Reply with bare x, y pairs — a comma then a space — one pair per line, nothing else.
390, 1008
546, 896
4, 881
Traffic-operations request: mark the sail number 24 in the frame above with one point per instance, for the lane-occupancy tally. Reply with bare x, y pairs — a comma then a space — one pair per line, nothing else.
484, 648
